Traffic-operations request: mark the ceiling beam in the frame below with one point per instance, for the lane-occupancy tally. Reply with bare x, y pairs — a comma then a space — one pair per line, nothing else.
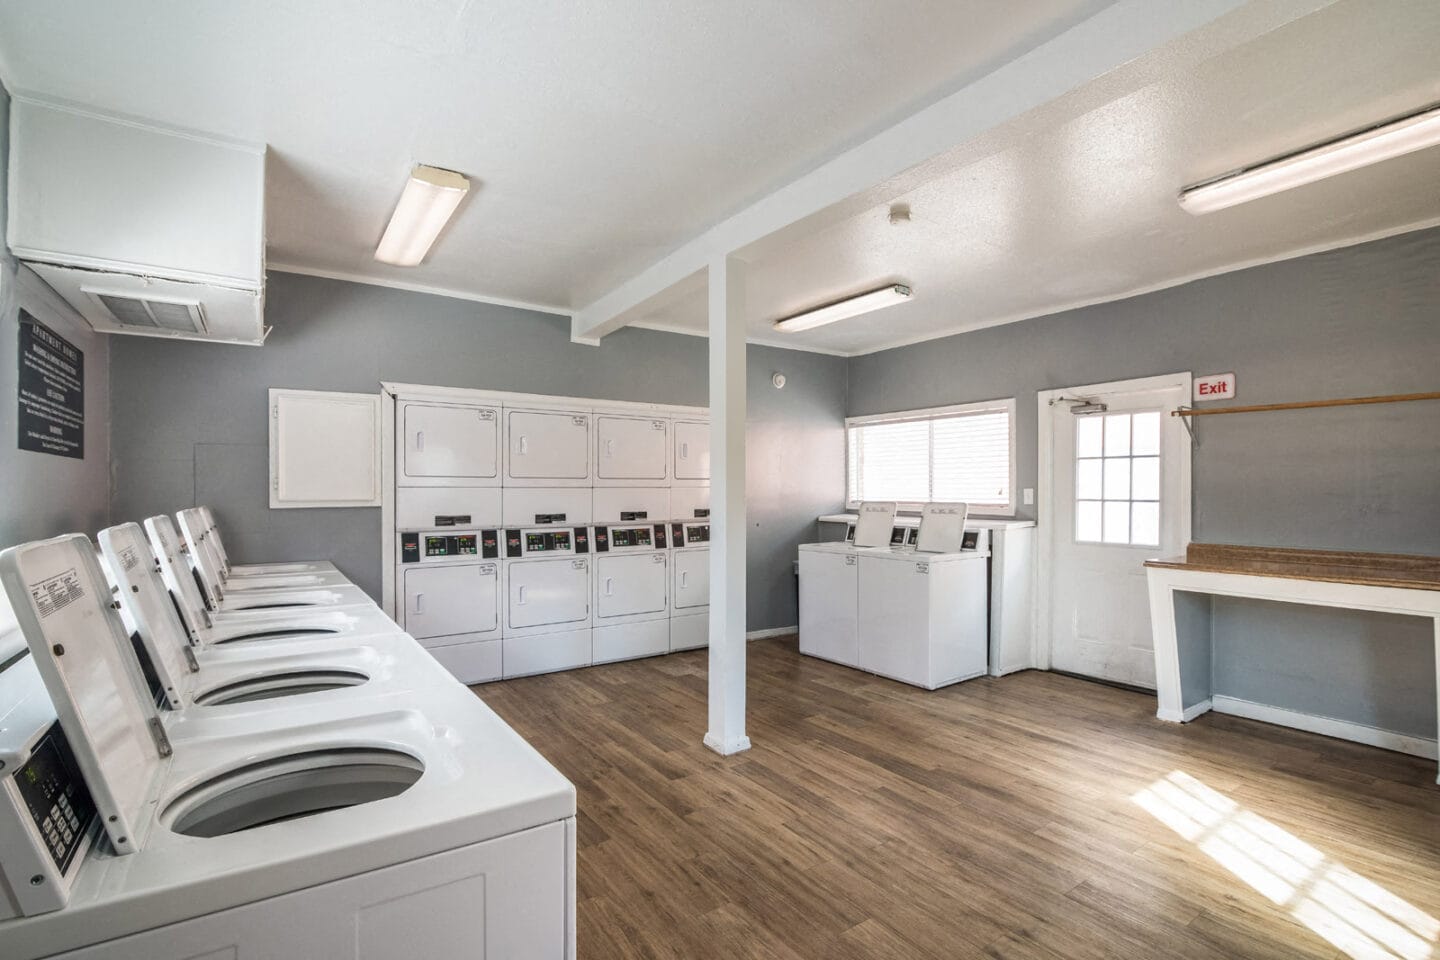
1118, 35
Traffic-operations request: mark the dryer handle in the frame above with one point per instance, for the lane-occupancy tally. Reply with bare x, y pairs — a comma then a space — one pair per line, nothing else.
520, 597
524, 445
419, 603
684, 578
419, 441
609, 586
609, 448
684, 450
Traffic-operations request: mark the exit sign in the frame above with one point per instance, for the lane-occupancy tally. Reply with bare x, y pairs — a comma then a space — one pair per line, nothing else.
1219, 386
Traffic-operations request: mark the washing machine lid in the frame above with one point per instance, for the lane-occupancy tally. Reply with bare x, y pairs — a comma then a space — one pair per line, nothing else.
143, 594
165, 541
81, 650
942, 527
872, 529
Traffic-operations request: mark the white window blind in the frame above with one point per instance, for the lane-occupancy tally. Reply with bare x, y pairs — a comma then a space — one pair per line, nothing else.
956, 453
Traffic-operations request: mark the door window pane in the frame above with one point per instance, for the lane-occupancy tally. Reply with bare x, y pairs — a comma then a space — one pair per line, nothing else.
1087, 521
1145, 434
1145, 524
1087, 436
1117, 435
1117, 521
1147, 479
1087, 480
1117, 478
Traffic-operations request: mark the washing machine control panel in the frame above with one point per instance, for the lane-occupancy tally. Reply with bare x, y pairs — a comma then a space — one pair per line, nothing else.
543, 542
432, 547
55, 797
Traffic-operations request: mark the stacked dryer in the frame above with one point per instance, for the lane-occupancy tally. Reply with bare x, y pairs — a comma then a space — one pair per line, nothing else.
448, 513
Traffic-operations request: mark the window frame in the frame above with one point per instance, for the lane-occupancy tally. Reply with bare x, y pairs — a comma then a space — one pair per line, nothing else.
1005, 405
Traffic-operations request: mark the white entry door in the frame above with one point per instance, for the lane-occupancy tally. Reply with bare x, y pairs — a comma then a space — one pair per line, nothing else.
1118, 490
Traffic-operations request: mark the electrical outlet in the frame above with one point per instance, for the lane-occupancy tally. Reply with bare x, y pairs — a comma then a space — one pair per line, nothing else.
1029, 496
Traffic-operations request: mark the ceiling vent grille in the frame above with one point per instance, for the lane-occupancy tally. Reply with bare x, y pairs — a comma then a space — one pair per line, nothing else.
139, 313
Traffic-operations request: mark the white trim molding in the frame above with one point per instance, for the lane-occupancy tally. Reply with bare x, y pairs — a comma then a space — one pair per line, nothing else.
1328, 726
770, 632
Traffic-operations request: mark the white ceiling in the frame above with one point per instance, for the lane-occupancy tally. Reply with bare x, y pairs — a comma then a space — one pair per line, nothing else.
600, 135
1075, 203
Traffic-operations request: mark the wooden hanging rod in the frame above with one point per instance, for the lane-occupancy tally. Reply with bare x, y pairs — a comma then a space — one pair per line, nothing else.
1307, 404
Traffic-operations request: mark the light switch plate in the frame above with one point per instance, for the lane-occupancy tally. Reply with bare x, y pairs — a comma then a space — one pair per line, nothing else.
1029, 496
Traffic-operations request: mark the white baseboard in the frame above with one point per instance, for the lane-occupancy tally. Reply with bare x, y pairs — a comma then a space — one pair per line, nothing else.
1186, 715
771, 632
1328, 726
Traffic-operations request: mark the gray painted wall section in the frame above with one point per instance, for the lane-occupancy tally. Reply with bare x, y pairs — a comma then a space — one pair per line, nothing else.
190, 418
1362, 320
45, 495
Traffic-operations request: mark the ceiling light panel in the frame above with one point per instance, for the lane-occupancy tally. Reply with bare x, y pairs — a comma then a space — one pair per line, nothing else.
430, 198
886, 296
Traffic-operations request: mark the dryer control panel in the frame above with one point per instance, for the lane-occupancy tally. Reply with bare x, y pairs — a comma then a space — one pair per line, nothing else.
629, 539
691, 534
546, 541
437, 547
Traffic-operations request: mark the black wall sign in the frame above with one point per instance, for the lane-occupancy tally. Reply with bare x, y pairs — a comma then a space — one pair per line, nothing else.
52, 391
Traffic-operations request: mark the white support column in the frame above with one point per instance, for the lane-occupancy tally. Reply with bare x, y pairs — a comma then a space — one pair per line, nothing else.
726, 734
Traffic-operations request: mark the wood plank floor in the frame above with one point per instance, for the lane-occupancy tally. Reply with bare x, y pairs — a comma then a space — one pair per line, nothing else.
1033, 816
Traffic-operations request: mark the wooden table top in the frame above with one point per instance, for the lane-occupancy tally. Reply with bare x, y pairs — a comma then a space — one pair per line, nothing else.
1332, 566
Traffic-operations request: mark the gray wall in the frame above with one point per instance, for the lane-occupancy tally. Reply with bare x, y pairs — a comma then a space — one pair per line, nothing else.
46, 495
1352, 322
190, 423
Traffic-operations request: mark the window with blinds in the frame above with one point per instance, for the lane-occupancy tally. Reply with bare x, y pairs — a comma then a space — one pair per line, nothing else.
947, 454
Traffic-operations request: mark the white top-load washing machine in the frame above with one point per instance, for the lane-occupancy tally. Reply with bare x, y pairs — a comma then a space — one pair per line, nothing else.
545, 574
829, 586
280, 591
689, 584
241, 677
447, 587
256, 569
206, 627
405, 823
631, 613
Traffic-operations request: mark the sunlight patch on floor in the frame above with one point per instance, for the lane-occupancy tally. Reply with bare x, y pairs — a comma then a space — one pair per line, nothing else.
1357, 916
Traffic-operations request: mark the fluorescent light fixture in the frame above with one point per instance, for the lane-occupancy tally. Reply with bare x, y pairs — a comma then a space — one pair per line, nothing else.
1393, 138
429, 200
843, 309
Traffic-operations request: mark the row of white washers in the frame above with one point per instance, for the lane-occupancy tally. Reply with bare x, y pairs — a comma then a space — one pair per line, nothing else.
532, 539
203, 760
495, 602
907, 603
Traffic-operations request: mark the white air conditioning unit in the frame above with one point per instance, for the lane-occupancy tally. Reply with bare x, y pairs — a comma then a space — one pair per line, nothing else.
143, 230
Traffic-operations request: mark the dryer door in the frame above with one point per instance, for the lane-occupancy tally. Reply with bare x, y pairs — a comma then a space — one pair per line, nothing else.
450, 441
692, 450
548, 446
630, 448
630, 585
545, 592
692, 578
443, 601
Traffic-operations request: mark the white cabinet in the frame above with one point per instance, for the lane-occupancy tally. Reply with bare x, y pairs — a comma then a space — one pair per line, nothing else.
447, 444
324, 449
692, 579
631, 449
547, 448
692, 451
424, 508
828, 595
451, 603
537, 506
